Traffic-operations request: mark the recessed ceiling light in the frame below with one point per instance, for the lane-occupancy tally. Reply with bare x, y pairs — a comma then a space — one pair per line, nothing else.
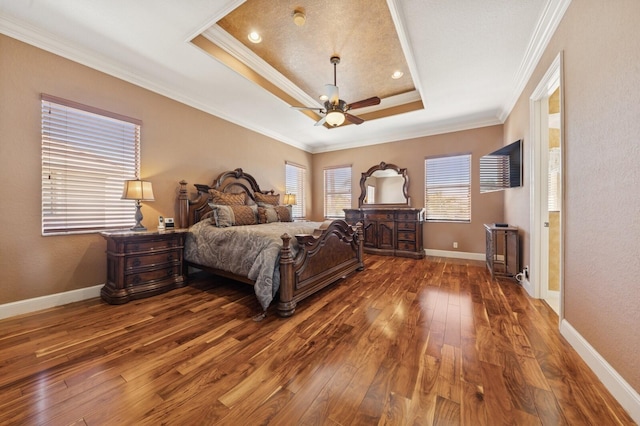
254, 37
397, 74
299, 18
324, 98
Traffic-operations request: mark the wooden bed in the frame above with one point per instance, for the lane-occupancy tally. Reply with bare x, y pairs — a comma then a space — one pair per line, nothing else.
330, 253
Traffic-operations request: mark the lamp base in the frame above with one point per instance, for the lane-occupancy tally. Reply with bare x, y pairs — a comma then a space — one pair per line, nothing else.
138, 226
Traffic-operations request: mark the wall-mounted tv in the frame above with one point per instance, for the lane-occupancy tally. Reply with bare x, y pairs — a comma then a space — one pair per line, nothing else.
501, 169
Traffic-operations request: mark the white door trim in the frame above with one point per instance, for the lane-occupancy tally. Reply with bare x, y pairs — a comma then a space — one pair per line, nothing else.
538, 108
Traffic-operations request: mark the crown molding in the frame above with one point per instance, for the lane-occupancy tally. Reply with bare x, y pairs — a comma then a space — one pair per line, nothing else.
423, 130
549, 20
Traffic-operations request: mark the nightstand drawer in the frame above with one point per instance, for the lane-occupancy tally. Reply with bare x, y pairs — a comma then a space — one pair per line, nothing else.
133, 262
406, 236
153, 275
151, 245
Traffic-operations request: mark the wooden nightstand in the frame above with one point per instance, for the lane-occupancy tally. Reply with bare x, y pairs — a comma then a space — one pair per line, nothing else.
143, 264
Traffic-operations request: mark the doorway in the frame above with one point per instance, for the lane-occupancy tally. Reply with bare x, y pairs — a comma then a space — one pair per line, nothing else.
547, 171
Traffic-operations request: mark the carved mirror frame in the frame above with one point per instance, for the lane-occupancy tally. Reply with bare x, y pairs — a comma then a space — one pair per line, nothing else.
384, 166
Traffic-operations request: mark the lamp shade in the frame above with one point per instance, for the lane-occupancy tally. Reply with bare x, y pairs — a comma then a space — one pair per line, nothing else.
335, 118
137, 190
289, 199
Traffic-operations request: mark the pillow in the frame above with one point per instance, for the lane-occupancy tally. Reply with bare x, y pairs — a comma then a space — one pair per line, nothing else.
284, 213
267, 214
222, 216
244, 215
225, 216
228, 198
272, 199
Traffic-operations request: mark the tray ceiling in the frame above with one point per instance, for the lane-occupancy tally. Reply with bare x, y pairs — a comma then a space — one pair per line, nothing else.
464, 63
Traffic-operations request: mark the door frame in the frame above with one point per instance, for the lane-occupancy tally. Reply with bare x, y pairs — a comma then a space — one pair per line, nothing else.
539, 135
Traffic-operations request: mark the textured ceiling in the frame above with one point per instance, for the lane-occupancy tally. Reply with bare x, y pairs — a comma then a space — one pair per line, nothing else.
363, 37
468, 60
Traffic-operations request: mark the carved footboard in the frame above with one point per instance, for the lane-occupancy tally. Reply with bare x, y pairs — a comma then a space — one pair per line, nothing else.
330, 253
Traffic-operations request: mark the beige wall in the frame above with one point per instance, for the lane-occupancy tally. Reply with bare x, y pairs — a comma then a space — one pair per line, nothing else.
178, 142
601, 44
410, 154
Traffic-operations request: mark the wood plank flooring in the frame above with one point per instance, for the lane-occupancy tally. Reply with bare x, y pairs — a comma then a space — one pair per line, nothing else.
424, 342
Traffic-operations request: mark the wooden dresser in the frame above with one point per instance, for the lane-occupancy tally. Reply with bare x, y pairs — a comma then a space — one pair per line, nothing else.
143, 264
391, 231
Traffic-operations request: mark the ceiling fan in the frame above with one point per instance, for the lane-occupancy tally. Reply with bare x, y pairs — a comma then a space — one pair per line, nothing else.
335, 109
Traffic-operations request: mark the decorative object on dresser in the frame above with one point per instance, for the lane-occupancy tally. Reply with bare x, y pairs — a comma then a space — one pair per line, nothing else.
503, 250
317, 256
142, 264
138, 190
390, 226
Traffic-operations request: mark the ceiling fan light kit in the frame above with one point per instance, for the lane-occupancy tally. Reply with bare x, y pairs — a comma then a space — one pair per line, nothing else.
335, 109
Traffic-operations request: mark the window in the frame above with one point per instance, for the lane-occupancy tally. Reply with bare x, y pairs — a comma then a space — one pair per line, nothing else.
295, 177
337, 191
86, 156
448, 188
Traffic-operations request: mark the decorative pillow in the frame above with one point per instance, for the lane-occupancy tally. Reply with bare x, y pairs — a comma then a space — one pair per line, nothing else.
227, 198
284, 213
267, 214
244, 215
273, 199
222, 215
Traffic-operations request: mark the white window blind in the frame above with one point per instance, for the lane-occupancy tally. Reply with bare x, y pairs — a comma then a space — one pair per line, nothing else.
337, 191
295, 177
86, 156
495, 173
448, 188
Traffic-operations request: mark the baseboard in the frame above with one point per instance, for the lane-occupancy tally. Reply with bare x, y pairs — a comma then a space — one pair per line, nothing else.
455, 254
44, 302
619, 388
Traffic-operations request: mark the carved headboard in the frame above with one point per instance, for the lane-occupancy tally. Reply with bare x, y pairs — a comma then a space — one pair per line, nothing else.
192, 211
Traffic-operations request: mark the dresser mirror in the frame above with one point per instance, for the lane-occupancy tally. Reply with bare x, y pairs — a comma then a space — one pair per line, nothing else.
384, 185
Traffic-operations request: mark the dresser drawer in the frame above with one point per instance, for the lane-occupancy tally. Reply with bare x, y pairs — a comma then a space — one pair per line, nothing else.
153, 275
406, 245
378, 216
151, 245
132, 262
407, 236
407, 226
412, 215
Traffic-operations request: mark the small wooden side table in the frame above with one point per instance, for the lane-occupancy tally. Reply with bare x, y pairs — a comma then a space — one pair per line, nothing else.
143, 264
502, 250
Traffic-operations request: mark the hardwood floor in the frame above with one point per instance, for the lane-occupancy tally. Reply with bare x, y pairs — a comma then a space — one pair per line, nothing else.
432, 341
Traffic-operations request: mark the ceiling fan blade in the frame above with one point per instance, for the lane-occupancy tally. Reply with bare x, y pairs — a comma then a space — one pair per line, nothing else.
365, 103
307, 108
321, 121
354, 119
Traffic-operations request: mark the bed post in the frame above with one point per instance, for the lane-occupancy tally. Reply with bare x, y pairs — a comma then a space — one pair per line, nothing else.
360, 237
183, 208
286, 305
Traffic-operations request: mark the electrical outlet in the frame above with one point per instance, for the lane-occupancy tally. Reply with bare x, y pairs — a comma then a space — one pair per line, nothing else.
455, 244
526, 272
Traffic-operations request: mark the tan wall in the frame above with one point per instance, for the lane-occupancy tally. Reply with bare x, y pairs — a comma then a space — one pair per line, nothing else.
485, 208
601, 44
178, 142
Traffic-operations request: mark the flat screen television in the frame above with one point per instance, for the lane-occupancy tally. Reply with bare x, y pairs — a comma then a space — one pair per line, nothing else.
502, 168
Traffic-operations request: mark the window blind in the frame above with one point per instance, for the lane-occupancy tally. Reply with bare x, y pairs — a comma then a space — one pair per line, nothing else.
86, 155
295, 177
448, 188
495, 173
337, 191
